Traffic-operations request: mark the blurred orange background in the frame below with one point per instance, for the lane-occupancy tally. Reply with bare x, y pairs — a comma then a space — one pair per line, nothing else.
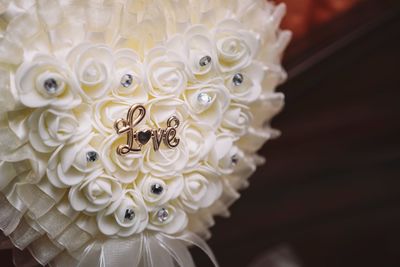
304, 15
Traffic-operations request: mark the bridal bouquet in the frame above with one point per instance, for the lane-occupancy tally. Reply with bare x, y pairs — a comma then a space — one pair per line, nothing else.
126, 125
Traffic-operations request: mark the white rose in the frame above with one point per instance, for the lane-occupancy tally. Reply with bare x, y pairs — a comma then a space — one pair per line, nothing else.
268, 105
245, 166
169, 219
236, 46
202, 188
93, 67
50, 128
125, 216
225, 154
199, 139
207, 102
256, 138
160, 109
46, 82
107, 111
237, 119
197, 46
166, 160
123, 167
165, 73
95, 193
69, 164
157, 191
129, 77
245, 86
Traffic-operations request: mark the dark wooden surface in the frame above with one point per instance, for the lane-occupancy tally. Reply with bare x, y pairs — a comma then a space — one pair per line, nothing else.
330, 190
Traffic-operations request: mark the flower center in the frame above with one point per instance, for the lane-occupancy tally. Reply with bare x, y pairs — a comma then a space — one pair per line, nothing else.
50, 84
162, 215
92, 156
127, 80
91, 73
204, 99
237, 79
129, 214
204, 61
157, 189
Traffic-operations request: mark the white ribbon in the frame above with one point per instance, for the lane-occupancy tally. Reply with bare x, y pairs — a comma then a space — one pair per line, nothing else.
145, 250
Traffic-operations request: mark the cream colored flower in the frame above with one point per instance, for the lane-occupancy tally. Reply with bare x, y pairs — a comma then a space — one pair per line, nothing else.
93, 68
157, 191
224, 156
245, 85
45, 81
169, 219
197, 46
166, 73
106, 111
237, 119
199, 139
207, 102
125, 216
160, 109
95, 193
129, 77
71, 163
50, 128
202, 188
236, 46
124, 168
165, 161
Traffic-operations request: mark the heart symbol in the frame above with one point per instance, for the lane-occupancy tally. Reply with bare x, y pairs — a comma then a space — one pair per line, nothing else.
144, 136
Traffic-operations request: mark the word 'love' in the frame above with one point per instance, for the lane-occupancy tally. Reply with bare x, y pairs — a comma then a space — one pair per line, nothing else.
137, 139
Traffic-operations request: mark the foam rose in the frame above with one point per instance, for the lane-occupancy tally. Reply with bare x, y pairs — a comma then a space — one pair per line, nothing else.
50, 128
93, 68
45, 81
95, 192
114, 221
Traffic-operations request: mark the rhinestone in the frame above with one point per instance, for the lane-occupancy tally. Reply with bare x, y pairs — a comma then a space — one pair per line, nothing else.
237, 79
235, 159
204, 99
92, 156
129, 214
127, 80
157, 189
51, 86
204, 61
162, 215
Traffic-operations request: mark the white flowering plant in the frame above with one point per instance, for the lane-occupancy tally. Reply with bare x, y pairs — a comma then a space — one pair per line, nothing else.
70, 70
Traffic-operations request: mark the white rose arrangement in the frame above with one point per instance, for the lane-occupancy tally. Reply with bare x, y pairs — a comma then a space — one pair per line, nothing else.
204, 74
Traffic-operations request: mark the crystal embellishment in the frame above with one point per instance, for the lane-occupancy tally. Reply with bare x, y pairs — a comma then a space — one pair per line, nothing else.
204, 99
129, 214
162, 215
237, 79
235, 159
92, 156
204, 61
127, 80
51, 86
157, 189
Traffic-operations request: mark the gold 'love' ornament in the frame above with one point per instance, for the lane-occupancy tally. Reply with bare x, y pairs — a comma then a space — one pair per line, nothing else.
137, 139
